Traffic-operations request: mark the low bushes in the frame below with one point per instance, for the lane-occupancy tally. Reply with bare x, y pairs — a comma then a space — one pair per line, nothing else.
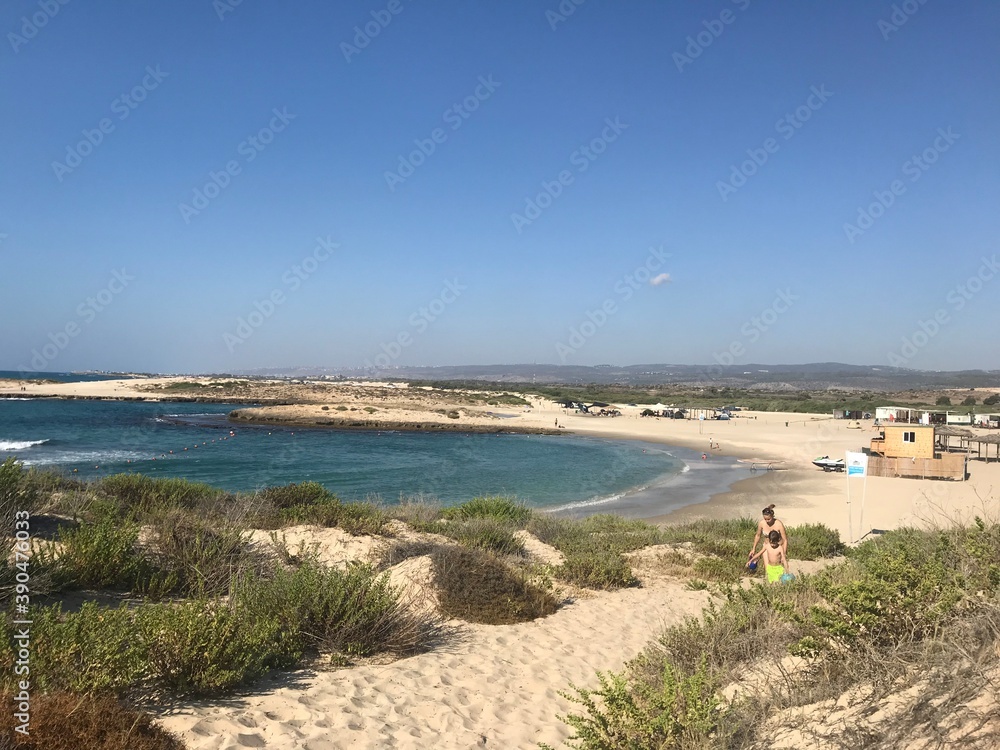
312, 503
205, 646
496, 507
199, 556
596, 569
103, 554
914, 615
593, 547
477, 587
679, 711
813, 541
138, 493
485, 533
353, 613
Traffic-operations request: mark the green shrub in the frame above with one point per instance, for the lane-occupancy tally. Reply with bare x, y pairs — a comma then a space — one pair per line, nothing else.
484, 532
477, 587
722, 571
636, 715
597, 533
297, 495
15, 495
354, 612
897, 588
138, 493
495, 506
96, 649
596, 569
312, 503
813, 541
620, 534
358, 518
204, 647
752, 624
103, 554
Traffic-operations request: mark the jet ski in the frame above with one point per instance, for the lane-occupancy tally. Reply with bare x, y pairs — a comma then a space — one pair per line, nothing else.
829, 464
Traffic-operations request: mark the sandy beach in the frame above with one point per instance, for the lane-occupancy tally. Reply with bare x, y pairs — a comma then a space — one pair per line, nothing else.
786, 442
498, 686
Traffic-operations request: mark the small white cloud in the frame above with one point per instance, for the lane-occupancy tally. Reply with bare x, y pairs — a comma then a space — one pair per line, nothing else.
663, 278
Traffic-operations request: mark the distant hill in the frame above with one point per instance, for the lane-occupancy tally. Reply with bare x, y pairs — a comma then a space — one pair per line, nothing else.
764, 377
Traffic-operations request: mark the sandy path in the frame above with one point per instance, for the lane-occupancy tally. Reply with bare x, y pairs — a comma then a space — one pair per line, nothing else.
496, 687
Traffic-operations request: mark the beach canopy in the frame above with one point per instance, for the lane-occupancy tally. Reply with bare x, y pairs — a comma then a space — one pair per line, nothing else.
949, 431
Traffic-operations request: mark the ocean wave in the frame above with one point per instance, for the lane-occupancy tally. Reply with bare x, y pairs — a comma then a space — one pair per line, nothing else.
593, 501
96, 457
19, 445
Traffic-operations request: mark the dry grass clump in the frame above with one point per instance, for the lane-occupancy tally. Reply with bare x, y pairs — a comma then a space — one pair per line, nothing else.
64, 721
475, 586
416, 511
400, 550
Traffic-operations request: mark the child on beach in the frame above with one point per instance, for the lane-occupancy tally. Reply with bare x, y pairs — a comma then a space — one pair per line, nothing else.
775, 560
766, 524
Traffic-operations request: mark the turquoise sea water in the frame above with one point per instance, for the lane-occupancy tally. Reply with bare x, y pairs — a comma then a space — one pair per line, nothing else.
97, 438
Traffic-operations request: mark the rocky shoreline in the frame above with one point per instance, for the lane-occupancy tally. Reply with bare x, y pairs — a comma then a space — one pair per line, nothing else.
154, 399
360, 423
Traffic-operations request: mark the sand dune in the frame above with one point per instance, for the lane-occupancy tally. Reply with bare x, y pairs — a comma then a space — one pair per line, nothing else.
494, 687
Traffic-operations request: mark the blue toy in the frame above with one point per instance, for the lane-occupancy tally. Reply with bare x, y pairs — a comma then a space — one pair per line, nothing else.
752, 566
786, 578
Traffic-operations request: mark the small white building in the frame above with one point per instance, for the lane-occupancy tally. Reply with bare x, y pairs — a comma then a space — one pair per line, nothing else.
898, 414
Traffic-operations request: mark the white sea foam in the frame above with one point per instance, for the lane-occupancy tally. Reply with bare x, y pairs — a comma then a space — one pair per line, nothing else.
88, 457
19, 445
593, 501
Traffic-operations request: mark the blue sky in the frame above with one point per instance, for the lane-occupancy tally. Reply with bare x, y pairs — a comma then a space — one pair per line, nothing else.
365, 218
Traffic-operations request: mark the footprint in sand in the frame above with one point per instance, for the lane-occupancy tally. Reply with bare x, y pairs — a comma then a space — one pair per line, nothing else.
250, 740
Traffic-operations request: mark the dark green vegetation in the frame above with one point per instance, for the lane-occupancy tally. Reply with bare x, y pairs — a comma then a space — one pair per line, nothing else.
800, 399
175, 599
912, 616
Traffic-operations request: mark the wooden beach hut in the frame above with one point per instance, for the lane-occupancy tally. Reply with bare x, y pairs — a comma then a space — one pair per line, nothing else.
983, 447
944, 435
